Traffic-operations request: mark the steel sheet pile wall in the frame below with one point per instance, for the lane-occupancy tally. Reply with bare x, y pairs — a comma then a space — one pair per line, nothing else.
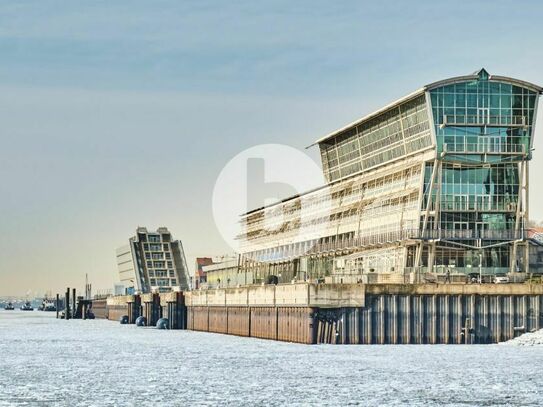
295, 324
264, 322
433, 319
198, 318
290, 324
238, 321
218, 320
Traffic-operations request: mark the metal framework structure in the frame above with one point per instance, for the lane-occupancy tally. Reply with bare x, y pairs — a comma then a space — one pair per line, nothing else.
434, 183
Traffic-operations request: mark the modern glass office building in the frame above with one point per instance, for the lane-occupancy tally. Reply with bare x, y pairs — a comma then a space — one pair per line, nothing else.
434, 183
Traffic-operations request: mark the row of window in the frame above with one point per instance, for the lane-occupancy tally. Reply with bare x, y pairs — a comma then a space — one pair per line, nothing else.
401, 130
159, 264
157, 256
154, 247
483, 86
493, 101
163, 282
320, 205
483, 103
161, 273
493, 257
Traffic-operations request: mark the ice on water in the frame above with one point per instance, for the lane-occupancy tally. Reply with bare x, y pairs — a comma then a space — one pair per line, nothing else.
528, 339
44, 361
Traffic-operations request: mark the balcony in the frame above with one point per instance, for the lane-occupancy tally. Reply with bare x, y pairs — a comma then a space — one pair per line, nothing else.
465, 234
463, 203
486, 145
483, 119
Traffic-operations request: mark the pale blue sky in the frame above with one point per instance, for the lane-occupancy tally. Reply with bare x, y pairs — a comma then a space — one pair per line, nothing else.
119, 115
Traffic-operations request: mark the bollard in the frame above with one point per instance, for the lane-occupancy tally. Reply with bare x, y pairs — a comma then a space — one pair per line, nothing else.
57, 305
141, 321
162, 323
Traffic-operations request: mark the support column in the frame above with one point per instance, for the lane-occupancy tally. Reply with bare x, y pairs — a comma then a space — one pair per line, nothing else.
67, 305
431, 257
526, 219
73, 303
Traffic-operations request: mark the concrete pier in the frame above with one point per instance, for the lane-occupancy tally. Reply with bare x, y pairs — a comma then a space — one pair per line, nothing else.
118, 306
100, 308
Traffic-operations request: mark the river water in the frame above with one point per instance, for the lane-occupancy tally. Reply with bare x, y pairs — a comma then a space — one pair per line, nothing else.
49, 362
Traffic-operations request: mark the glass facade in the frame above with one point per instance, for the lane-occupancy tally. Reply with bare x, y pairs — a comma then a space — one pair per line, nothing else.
395, 133
493, 118
484, 190
483, 133
435, 182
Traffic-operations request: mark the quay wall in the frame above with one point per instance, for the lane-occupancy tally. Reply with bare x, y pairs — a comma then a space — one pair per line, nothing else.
99, 308
350, 313
431, 319
118, 306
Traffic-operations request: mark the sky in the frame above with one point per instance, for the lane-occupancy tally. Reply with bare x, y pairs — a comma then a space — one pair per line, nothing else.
121, 114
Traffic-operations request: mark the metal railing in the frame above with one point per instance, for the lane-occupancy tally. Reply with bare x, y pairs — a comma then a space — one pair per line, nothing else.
483, 120
452, 205
472, 234
485, 146
352, 244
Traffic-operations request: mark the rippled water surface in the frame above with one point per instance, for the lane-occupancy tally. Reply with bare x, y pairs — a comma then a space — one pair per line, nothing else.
44, 361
